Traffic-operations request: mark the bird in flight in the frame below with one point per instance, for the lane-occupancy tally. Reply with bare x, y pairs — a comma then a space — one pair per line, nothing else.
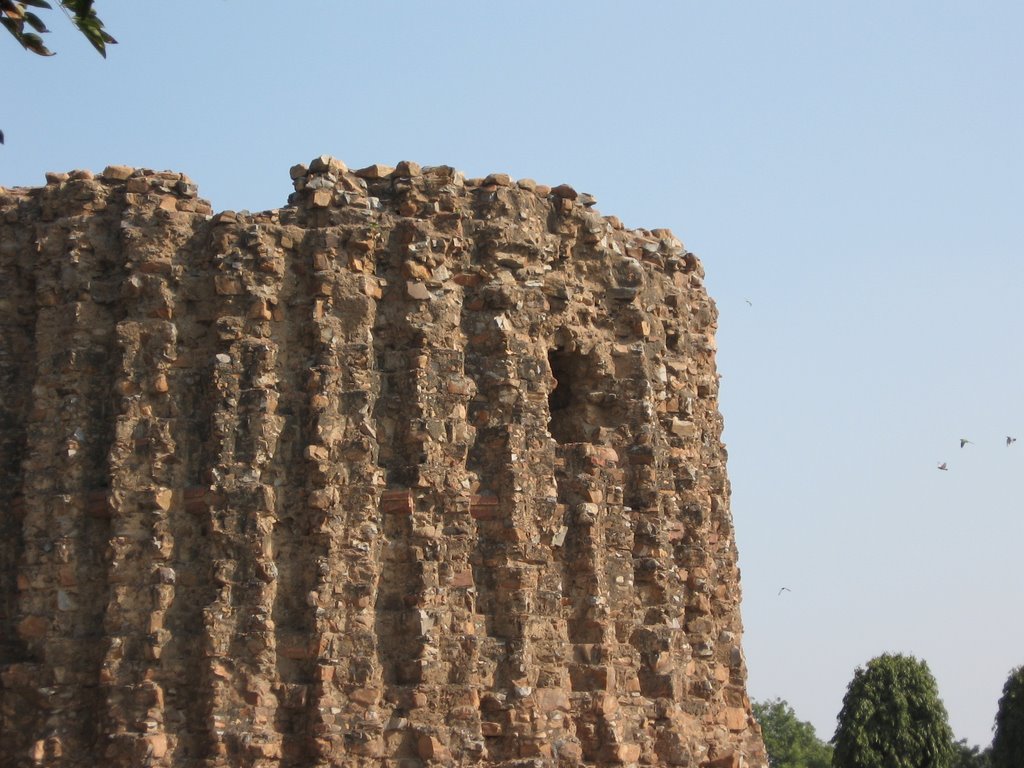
943, 467
784, 589
1010, 441
749, 302
964, 441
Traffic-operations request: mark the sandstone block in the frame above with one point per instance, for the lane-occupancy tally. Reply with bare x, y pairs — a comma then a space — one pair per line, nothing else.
365, 696
564, 191
375, 171
156, 745
162, 497
321, 198
736, 718
326, 164
432, 749
33, 627
732, 760
408, 168
228, 285
117, 172
498, 179
417, 290
628, 753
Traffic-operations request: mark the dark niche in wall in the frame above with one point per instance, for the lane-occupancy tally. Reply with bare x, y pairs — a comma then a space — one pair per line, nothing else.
574, 419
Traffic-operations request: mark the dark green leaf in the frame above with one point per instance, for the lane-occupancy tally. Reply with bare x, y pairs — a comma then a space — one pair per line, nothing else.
90, 25
37, 3
35, 22
34, 43
93, 34
78, 7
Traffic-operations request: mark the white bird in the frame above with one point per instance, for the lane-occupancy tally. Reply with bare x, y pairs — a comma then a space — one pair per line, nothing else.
943, 467
1010, 441
964, 441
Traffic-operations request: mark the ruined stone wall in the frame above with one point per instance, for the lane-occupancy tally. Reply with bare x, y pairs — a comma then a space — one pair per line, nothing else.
416, 470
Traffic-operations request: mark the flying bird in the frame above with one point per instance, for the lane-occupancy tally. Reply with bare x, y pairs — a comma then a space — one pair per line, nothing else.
1010, 441
784, 589
964, 441
943, 467
1, 137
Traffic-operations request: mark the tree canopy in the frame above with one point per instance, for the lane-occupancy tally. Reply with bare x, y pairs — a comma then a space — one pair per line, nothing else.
27, 27
892, 717
1008, 743
791, 742
966, 756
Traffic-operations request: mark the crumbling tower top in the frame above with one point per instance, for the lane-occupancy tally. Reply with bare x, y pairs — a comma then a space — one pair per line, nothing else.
417, 470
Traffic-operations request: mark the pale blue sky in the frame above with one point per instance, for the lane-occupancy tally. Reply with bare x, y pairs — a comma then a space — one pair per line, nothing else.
855, 170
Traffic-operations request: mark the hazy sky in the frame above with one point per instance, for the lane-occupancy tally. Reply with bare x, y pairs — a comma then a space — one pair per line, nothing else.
854, 170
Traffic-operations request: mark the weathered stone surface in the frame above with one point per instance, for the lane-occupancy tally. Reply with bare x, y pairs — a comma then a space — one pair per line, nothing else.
117, 172
375, 171
415, 471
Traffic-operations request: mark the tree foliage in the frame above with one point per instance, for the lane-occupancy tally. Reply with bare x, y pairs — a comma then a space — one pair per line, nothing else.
791, 743
965, 756
26, 26
892, 717
1008, 743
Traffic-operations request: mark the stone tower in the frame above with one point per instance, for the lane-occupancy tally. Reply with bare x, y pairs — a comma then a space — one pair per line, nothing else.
418, 470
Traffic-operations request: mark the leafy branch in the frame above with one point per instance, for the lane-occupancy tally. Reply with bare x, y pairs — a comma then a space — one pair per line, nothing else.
27, 28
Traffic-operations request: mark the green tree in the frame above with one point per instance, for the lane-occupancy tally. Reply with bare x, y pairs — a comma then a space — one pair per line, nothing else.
970, 757
26, 26
965, 756
892, 717
1008, 743
791, 743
